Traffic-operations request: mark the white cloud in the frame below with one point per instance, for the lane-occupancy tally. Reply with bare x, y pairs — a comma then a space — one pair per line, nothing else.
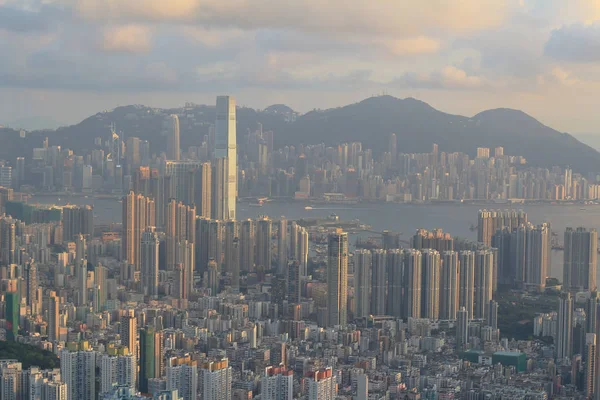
126, 39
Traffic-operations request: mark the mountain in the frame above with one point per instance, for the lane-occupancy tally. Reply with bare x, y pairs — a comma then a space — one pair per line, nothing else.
417, 125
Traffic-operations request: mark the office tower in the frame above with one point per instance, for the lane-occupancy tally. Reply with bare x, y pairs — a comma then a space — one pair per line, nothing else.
211, 278
378, 282
179, 284
282, 245
430, 295
247, 243
128, 331
182, 375
489, 221
225, 147
564, 344
31, 291
215, 380
362, 283
412, 283
53, 317
462, 328
362, 387
231, 259
203, 189
151, 357
449, 285
580, 259
492, 314
173, 147
322, 385
215, 242
263, 243
393, 143
395, 281
277, 383
180, 220
138, 213
302, 254
483, 283
337, 278
132, 153
149, 261
78, 371
220, 187
466, 288
12, 314
294, 281
77, 220
8, 240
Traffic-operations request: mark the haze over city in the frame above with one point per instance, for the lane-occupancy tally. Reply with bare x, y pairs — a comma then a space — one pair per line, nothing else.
278, 200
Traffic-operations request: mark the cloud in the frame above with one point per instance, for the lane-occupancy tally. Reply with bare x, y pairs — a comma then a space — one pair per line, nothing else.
449, 77
558, 75
412, 46
359, 16
126, 39
577, 43
24, 20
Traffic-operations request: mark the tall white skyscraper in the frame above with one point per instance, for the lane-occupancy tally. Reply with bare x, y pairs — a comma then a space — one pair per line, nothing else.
173, 138
182, 375
225, 146
564, 345
322, 385
337, 279
78, 371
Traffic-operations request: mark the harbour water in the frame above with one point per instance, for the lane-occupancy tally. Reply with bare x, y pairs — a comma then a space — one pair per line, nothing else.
456, 219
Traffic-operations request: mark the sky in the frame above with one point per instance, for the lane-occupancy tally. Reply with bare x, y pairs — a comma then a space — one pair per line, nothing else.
68, 59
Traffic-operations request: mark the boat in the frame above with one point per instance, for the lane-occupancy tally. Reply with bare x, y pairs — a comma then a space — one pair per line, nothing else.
308, 208
259, 204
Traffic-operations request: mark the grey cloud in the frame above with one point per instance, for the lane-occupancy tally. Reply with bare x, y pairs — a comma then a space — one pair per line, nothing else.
575, 43
26, 21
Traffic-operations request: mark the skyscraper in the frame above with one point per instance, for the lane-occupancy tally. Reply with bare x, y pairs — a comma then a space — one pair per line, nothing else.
77, 220
215, 380
591, 364
203, 189
128, 331
53, 317
138, 213
412, 282
225, 147
337, 278
31, 281
294, 281
149, 260
466, 289
151, 357
462, 328
430, 304
483, 283
564, 345
362, 283
12, 313
230, 250
263, 243
247, 242
580, 259
173, 147
282, 245
449, 285
395, 290
182, 375
78, 371
8, 240
378, 282
220, 189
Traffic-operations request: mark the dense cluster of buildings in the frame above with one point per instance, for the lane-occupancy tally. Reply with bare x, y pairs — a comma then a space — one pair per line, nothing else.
183, 301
